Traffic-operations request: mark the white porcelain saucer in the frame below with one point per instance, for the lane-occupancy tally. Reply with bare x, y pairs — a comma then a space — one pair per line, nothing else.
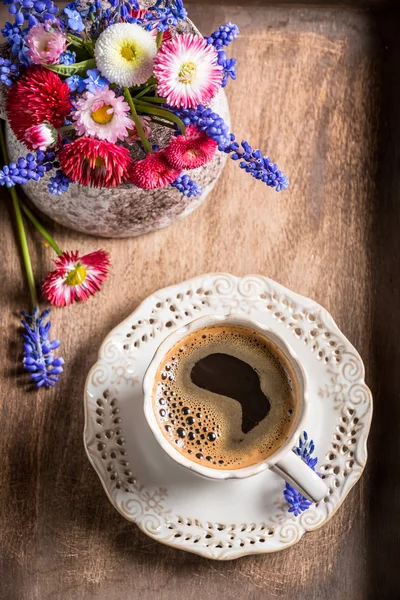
223, 519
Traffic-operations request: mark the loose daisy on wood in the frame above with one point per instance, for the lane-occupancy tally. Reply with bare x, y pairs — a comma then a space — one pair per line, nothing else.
76, 277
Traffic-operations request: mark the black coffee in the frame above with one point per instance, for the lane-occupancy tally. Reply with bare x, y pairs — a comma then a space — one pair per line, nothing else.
224, 396
229, 376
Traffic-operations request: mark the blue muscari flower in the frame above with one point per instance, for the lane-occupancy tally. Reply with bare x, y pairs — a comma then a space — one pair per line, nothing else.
76, 83
33, 11
9, 31
187, 186
297, 502
25, 169
23, 56
228, 65
95, 81
74, 19
8, 70
252, 161
162, 17
121, 9
38, 360
258, 166
67, 58
207, 120
59, 183
16, 39
223, 36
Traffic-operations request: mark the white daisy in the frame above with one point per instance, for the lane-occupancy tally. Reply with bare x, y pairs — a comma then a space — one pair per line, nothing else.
125, 54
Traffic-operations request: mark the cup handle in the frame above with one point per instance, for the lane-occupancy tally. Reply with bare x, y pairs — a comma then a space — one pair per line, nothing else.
295, 471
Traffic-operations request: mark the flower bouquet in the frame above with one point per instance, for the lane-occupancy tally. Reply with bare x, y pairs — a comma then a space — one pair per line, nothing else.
113, 95
109, 96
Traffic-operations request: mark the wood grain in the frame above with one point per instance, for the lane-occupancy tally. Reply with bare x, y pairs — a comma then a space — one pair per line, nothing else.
378, 4
319, 90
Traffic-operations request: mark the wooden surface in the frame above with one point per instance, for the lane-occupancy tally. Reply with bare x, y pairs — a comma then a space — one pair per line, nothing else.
319, 90
373, 4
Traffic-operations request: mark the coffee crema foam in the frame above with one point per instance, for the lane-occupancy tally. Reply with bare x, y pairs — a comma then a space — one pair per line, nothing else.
206, 427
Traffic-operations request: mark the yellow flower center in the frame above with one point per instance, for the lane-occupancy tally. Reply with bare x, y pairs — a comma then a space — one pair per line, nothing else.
99, 162
101, 115
76, 276
129, 53
187, 73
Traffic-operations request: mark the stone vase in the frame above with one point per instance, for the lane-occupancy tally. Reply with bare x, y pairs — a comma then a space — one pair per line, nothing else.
125, 211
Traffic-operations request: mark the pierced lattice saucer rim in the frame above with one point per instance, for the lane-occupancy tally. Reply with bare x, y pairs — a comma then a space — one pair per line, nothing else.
304, 523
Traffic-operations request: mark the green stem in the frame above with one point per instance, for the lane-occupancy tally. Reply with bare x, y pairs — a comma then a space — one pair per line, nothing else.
152, 80
24, 247
40, 228
160, 112
136, 120
159, 38
20, 229
146, 89
155, 99
66, 128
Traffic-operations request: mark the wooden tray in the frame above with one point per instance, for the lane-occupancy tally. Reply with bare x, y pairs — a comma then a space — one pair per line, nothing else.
318, 89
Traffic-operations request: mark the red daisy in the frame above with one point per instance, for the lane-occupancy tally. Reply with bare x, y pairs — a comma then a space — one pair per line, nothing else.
39, 96
95, 163
192, 150
153, 172
76, 277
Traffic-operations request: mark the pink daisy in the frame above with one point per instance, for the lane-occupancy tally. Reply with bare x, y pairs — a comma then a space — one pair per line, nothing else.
191, 150
153, 172
187, 70
45, 42
95, 163
76, 277
41, 136
103, 115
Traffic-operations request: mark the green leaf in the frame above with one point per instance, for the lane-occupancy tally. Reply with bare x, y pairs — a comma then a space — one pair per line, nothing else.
76, 69
148, 109
75, 39
154, 99
89, 46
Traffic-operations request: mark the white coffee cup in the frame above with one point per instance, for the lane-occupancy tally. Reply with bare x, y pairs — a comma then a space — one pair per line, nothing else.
283, 461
